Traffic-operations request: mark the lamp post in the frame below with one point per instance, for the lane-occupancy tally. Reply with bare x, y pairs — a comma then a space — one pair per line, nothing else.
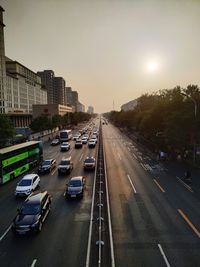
195, 115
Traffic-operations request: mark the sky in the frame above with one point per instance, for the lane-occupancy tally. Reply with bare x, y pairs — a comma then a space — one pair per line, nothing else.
110, 51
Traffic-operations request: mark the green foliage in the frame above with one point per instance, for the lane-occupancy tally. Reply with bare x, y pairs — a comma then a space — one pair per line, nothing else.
7, 130
166, 118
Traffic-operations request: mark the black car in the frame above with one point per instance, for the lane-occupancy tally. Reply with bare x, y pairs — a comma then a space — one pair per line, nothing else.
47, 166
75, 187
32, 213
78, 143
65, 166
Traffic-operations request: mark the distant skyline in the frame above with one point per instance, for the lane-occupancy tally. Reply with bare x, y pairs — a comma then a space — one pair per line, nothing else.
109, 51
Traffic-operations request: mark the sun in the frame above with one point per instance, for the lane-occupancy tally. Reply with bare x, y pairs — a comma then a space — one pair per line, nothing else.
152, 66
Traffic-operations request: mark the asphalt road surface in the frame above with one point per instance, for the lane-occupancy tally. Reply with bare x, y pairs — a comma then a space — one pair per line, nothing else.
155, 217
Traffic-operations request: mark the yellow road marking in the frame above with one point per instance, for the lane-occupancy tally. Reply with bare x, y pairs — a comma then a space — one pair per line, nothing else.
189, 223
160, 187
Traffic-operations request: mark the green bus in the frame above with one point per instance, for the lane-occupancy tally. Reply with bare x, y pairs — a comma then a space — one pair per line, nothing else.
18, 159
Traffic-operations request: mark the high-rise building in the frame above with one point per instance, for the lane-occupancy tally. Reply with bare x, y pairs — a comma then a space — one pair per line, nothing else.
20, 87
59, 90
68, 96
2, 65
80, 107
90, 110
47, 77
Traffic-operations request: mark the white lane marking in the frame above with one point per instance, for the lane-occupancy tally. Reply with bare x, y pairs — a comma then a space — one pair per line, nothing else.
134, 156
119, 156
81, 157
163, 254
1, 238
186, 186
34, 262
143, 166
52, 173
129, 149
132, 184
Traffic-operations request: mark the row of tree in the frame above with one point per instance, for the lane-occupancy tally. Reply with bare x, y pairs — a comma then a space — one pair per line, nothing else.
169, 119
39, 124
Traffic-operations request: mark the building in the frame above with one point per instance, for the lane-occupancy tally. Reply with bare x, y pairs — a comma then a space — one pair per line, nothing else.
59, 90
47, 77
80, 107
130, 105
20, 87
90, 110
3, 96
50, 110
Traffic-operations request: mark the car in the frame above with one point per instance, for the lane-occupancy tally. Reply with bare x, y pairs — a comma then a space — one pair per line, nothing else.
91, 143
78, 143
75, 187
32, 213
47, 166
65, 146
76, 136
94, 137
65, 166
84, 139
27, 185
55, 142
89, 163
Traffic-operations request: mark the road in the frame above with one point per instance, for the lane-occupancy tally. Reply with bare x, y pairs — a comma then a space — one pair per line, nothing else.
64, 237
155, 217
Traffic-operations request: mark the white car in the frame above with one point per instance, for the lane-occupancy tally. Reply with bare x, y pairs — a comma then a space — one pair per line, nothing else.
91, 143
76, 136
27, 185
65, 146
84, 139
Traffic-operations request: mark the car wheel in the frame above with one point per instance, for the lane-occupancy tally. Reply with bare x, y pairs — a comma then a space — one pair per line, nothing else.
40, 227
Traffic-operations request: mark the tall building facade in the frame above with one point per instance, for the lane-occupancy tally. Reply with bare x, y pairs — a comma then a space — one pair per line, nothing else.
2, 65
59, 90
90, 110
47, 77
20, 87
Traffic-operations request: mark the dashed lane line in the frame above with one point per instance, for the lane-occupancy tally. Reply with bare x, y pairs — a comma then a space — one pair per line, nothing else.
184, 184
189, 222
159, 186
8, 229
132, 184
34, 263
163, 255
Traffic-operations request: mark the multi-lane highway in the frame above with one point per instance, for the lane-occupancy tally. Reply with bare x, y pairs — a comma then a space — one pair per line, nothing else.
155, 217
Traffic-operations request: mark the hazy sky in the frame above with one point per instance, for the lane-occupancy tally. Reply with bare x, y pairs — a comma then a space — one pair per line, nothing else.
112, 50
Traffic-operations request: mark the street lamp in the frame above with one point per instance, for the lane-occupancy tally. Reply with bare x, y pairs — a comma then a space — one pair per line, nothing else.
195, 115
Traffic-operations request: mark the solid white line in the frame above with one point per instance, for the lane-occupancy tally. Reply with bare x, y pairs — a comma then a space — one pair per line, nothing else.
81, 157
1, 238
143, 166
186, 186
34, 262
163, 254
91, 219
132, 184
109, 216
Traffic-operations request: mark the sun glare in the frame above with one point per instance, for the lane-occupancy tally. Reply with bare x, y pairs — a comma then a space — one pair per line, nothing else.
152, 66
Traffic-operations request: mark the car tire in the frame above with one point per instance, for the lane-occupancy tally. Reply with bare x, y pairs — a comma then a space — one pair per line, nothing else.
40, 227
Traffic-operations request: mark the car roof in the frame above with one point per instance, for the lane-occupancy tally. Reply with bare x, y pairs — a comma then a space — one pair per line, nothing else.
69, 158
29, 176
35, 198
76, 178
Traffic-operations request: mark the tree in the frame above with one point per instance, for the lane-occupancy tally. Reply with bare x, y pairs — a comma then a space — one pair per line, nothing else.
40, 124
7, 130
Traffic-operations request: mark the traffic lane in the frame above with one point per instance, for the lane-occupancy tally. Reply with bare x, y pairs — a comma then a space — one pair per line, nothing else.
67, 224
171, 217
133, 243
9, 204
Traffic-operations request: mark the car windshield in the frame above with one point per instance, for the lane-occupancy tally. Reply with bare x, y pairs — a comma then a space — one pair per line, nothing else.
89, 161
25, 182
30, 209
75, 183
46, 162
64, 162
